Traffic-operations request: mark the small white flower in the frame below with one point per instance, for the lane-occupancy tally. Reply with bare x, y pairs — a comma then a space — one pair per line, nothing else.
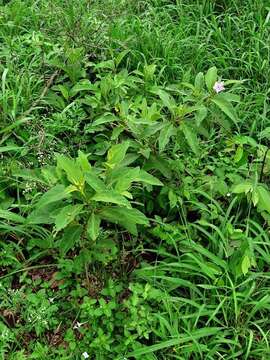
51, 300
85, 355
219, 86
228, 194
77, 325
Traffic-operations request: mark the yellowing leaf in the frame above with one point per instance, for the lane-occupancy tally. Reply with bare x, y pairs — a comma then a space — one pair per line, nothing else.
116, 154
245, 264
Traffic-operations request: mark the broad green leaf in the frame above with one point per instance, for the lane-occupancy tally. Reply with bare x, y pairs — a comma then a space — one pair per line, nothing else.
72, 170
124, 177
84, 85
117, 153
244, 187
245, 264
167, 100
110, 196
238, 154
121, 56
255, 197
226, 107
128, 218
93, 226
94, 181
200, 115
191, 137
66, 216
71, 236
165, 134
104, 119
43, 214
57, 193
160, 164
83, 162
147, 178
264, 198
148, 71
199, 81
211, 78
11, 216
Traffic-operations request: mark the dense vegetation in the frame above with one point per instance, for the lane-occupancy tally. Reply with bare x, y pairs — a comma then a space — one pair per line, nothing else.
134, 179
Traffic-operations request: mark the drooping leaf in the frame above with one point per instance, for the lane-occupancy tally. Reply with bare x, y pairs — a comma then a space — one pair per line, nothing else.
93, 226
66, 215
191, 137
200, 115
117, 153
110, 196
147, 178
160, 164
124, 177
165, 134
57, 193
11, 216
104, 119
128, 218
226, 107
71, 236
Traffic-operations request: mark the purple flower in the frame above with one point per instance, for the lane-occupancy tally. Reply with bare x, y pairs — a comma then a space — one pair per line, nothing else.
219, 86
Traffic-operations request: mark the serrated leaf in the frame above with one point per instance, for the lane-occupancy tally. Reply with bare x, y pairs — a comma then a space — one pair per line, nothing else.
165, 134
191, 137
11, 216
211, 78
66, 215
93, 226
70, 237
147, 178
110, 196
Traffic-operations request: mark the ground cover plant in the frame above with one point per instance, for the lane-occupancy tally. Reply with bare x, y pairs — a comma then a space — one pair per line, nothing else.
134, 179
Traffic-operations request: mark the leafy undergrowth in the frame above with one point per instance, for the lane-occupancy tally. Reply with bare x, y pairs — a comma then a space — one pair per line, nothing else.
134, 180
